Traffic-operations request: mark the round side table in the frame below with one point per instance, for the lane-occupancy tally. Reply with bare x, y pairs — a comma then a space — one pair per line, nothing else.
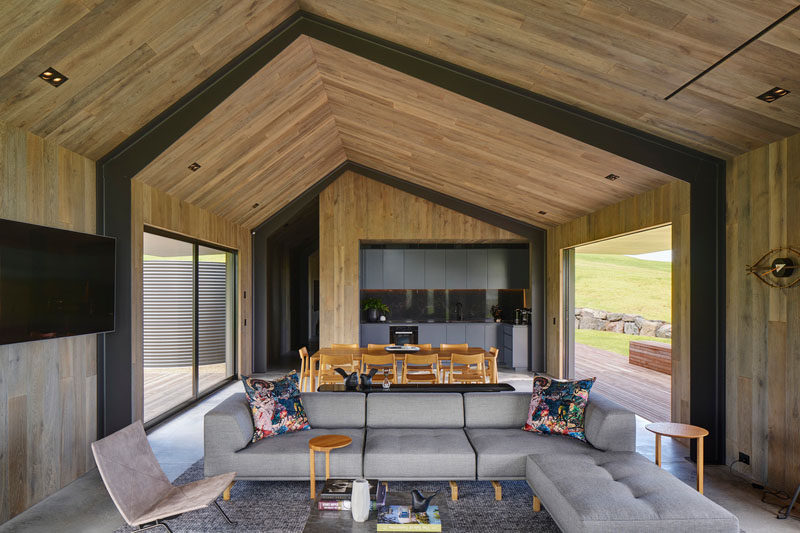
324, 443
680, 431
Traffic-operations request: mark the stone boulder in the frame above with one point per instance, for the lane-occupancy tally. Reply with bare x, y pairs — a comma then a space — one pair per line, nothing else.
665, 331
618, 326
614, 317
648, 327
630, 328
587, 322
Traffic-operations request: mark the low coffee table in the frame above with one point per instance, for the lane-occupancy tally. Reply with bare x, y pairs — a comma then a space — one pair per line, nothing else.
324, 443
340, 521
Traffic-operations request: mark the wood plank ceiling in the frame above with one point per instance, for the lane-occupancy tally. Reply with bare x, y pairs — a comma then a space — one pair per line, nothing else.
315, 105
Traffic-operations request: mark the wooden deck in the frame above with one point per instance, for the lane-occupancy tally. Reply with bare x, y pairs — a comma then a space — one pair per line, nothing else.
164, 388
643, 391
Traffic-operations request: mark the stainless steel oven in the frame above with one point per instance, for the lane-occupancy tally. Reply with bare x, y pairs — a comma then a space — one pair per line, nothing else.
404, 334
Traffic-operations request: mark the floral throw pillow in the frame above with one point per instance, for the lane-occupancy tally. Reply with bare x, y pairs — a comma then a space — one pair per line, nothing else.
275, 405
557, 406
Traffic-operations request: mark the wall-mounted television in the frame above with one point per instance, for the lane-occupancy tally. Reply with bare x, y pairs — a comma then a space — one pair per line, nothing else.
54, 283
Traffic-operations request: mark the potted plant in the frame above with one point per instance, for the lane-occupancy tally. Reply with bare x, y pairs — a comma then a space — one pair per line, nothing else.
373, 307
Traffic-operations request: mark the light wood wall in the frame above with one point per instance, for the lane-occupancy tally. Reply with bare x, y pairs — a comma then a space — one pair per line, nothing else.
151, 207
354, 209
763, 324
668, 204
48, 388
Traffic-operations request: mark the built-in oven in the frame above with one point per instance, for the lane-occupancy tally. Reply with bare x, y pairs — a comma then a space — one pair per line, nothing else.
404, 335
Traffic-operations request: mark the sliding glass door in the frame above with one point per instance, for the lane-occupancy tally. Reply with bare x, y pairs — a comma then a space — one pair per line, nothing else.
189, 315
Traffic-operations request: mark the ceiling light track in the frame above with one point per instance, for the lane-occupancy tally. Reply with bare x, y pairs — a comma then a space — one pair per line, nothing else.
734, 51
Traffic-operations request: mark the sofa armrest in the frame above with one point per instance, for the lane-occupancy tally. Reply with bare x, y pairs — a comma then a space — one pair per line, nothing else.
609, 426
228, 427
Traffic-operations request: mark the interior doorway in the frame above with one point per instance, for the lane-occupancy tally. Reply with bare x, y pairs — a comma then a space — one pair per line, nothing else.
618, 319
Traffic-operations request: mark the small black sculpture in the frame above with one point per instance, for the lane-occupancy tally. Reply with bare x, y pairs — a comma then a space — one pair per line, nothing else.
419, 503
366, 379
350, 380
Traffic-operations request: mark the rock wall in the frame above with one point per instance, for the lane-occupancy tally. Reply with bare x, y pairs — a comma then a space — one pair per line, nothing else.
586, 318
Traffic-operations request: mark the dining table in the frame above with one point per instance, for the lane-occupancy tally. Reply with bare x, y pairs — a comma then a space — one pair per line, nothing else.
444, 355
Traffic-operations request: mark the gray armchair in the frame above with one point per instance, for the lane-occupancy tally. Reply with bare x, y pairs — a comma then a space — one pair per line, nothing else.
141, 490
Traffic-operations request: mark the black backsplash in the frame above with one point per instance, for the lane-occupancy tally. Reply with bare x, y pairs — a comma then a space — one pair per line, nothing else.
439, 305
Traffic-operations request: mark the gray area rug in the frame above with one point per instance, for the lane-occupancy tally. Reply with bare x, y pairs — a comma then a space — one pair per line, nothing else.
283, 506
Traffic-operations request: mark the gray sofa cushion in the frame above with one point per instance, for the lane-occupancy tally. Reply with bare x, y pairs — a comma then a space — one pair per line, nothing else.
228, 427
286, 457
502, 453
620, 492
419, 454
415, 410
609, 426
335, 409
496, 409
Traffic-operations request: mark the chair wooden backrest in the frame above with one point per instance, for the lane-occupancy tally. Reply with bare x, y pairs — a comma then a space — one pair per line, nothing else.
377, 347
385, 363
305, 368
344, 346
421, 368
454, 347
461, 368
327, 363
491, 359
423, 346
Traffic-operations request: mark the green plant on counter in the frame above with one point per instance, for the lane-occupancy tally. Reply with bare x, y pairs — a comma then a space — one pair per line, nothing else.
374, 303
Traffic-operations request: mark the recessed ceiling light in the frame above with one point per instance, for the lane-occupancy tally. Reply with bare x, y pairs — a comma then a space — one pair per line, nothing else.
53, 77
612, 177
773, 94
542, 212
256, 205
194, 166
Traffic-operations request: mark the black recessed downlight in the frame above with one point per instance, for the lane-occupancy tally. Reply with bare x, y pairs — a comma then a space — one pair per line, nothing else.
612, 177
256, 205
542, 212
53, 77
773, 94
194, 166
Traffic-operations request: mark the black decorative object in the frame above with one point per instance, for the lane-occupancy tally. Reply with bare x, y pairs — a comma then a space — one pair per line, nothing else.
366, 379
372, 315
419, 503
350, 380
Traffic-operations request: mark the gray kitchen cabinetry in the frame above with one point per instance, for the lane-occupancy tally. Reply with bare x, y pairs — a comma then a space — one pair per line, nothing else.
518, 262
456, 268
374, 334
435, 271
493, 332
393, 268
514, 351
476, 268
456, 333
414, 269
433, 334
476, 336
372, 269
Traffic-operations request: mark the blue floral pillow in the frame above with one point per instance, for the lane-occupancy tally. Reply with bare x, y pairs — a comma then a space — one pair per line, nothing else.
558, 407
275, 405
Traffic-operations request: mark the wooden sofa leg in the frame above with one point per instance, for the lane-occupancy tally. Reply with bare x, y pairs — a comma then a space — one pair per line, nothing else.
226, 494
537, 504
453, 491
498, 490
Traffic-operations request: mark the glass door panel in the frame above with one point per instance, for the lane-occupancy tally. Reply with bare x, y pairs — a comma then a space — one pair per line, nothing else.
215, 316
168, 338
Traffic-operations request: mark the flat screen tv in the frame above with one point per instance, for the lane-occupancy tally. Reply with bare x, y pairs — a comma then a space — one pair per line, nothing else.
54, 283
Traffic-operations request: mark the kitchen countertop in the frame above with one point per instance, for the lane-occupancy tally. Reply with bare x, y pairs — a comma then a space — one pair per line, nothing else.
413, 323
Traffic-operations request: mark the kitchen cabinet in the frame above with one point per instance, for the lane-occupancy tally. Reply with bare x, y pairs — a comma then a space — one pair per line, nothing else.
518, 262
491, 335
393, 268
514, 352
476, 268
496, 268
456, 268
435, 272
476, 335
374, 334
414, 269
372, 269
456, 333
434, 334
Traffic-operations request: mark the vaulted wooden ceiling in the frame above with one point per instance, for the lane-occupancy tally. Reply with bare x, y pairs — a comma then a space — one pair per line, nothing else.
314, 105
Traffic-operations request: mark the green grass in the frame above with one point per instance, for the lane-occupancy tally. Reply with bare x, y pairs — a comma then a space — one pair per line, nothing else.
610, 341
622, 284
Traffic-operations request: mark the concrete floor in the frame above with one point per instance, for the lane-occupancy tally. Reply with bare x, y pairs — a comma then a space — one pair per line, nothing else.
84, 505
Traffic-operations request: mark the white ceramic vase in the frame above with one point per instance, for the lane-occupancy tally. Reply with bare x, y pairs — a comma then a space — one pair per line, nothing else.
359, 503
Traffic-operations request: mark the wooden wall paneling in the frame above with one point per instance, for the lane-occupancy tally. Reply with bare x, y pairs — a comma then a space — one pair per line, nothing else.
355, 209
152, 207
763, 354
48, 388
668, 204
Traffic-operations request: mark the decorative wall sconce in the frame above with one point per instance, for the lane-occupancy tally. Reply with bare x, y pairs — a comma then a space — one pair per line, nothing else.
779, 268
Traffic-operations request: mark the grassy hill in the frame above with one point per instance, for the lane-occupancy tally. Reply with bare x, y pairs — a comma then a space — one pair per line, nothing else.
624, 284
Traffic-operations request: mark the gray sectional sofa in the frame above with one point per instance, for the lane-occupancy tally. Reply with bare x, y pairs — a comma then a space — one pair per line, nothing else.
599, 485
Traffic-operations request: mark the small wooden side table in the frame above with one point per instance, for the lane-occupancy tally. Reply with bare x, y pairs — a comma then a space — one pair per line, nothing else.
680, 431
324, 443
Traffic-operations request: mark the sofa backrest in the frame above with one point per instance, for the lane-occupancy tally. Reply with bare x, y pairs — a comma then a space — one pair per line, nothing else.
415, 410
609, 426
496, 409
335, 409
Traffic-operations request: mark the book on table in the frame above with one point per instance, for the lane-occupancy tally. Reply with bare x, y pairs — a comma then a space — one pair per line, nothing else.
342, 489
337, 503
401, 518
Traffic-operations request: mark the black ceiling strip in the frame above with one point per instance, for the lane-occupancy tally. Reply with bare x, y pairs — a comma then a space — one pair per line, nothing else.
734, 52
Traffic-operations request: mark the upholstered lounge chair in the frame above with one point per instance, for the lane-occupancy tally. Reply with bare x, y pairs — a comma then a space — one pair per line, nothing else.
141, 490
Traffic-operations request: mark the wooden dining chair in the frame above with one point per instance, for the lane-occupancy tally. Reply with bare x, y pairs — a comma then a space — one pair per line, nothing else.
344, 346
462, 371
377, 347
327, 363
491, 364
421, 368
305, 369
386, 364
450, 348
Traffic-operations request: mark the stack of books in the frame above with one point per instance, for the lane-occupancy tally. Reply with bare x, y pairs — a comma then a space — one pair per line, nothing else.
401, 518
336, 494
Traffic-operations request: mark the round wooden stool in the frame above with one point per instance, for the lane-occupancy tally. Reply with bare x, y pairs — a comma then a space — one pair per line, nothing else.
324, 443
680, 431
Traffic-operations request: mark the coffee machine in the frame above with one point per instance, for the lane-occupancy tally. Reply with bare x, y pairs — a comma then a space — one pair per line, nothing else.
522, 316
